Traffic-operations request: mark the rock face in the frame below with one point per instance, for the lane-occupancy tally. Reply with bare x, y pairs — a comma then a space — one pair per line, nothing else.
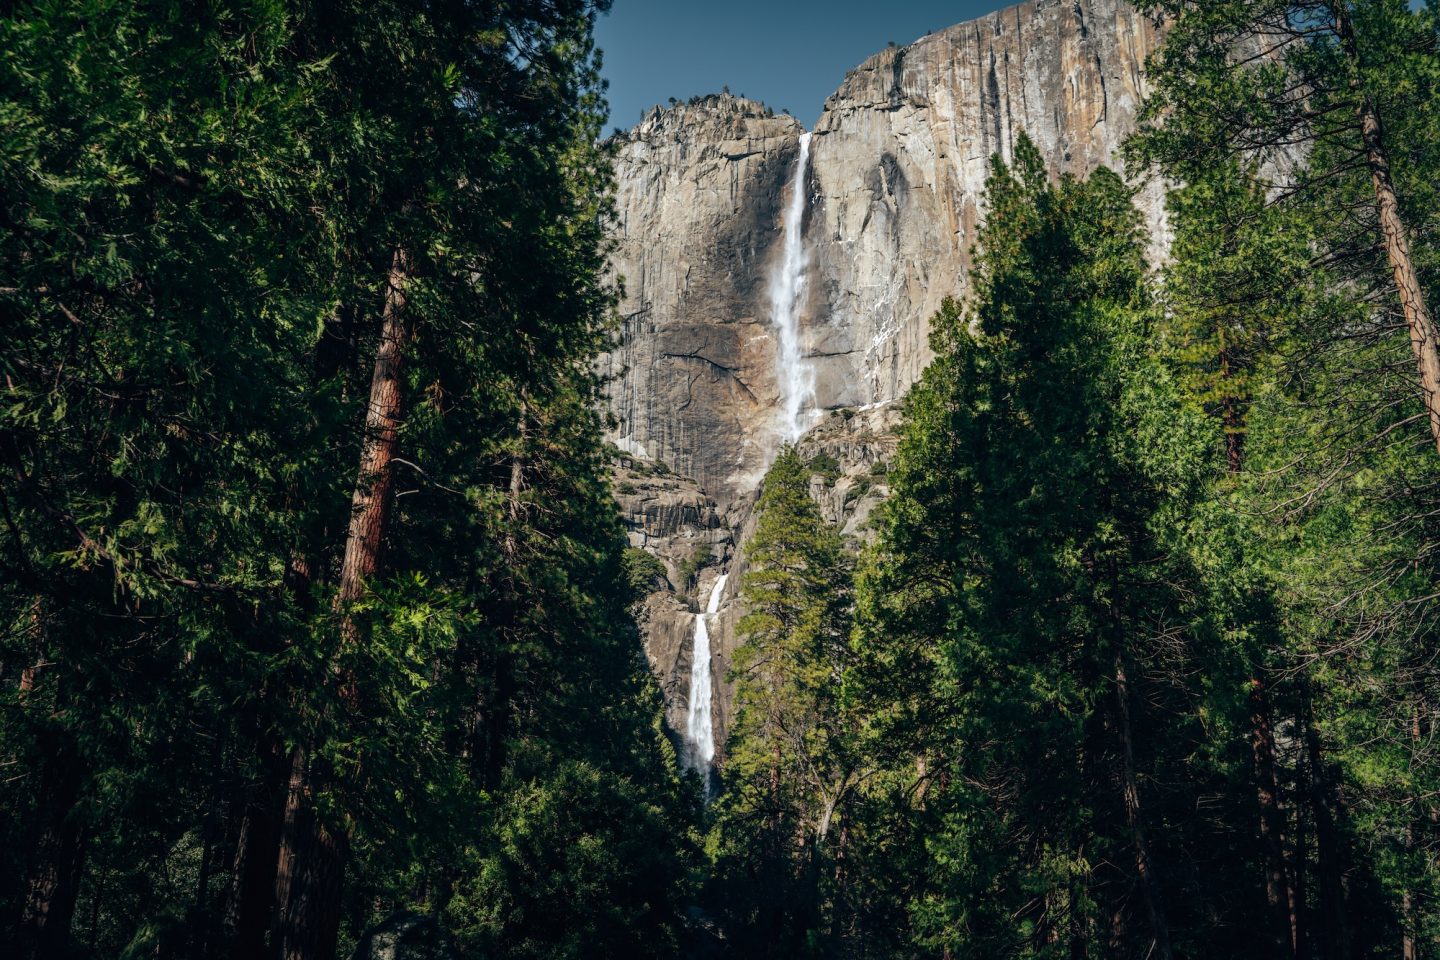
698, 200
900, 157
405, 936
669, 516
895, 181
849, 452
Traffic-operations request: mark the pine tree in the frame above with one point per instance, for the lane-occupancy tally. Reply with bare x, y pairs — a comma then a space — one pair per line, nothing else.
1330, 103
1328, 109
1022, 593
791, 764
303, 465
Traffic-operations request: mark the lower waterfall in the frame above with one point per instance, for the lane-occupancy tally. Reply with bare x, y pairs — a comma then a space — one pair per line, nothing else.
699, 730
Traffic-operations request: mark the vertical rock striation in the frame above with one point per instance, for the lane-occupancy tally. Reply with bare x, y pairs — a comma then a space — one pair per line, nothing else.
901, 153
699, 195
896, 174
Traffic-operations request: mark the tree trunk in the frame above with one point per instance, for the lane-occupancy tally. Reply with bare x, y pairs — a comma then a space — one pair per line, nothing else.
517, 477
311, 871
257, 854
1409, 915
54, 881
1325, 803
370, 505
258, 809
493, 713
775, 784
310, 875
36, 659
491, 724
1409, 908
251, 903
1299, 858
1232, 420
1279, 895
1392, 228
212, 840
840, 914
1234, 440
1144, 865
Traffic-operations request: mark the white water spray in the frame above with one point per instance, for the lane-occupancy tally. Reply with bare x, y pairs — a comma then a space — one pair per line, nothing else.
787, 298
699, 730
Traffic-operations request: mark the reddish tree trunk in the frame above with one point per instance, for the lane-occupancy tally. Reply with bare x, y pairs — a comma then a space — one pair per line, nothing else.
311, 872
370, 505
1234, 451
310, 877
1393, 231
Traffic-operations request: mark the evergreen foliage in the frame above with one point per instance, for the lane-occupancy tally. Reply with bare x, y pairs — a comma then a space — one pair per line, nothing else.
320, 617
1023, 583
792, 762
255, 699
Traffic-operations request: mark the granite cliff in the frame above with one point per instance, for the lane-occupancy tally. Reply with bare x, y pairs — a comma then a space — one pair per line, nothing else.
893, 189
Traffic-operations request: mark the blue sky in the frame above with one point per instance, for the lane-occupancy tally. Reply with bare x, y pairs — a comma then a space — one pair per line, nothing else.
789, 53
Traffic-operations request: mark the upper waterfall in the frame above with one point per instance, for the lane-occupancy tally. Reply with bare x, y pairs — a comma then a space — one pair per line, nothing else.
726, 345
793, 373
766, 279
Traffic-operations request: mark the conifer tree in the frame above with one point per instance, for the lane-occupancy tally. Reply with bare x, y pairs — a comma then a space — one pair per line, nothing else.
1021, 579
791, 764
1328, 108
1331, 104
323, 607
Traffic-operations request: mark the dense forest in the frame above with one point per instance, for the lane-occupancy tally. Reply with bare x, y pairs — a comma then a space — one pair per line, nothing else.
320, 630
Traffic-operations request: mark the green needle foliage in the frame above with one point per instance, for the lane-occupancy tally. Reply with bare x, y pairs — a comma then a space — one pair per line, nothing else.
319, 616
791, 759
1023, 582
220, 739
1140, 665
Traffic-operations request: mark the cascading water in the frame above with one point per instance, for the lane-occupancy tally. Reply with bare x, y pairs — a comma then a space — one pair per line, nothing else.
699, 731
796, 380
787, 298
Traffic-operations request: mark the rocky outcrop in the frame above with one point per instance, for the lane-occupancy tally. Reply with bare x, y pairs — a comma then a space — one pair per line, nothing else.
897, 174
698, 200
900, 157
405, 936
669, 517
849, 452
894, 192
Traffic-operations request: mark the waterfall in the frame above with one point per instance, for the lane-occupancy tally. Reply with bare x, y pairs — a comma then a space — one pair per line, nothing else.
699, 731
787, 297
